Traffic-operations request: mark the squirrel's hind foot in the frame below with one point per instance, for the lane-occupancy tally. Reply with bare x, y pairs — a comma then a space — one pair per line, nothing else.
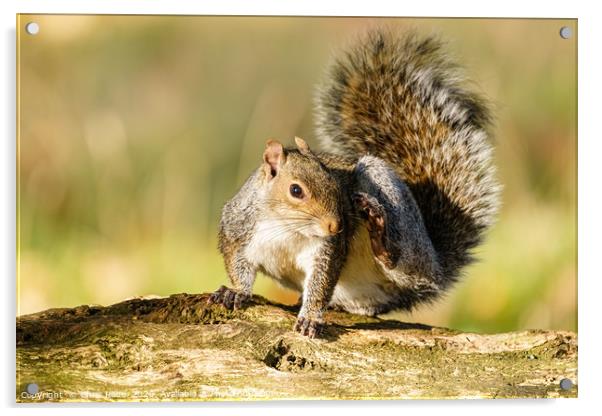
229, 298
375, 215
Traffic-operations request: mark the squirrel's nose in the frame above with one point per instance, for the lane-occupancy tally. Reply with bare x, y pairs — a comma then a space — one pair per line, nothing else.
332, 226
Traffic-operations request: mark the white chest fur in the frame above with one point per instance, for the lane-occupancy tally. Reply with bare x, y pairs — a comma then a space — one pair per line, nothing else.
363, 284
280, 252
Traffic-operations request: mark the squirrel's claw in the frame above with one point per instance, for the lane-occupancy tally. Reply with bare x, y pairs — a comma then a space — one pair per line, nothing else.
229, 298
308, 327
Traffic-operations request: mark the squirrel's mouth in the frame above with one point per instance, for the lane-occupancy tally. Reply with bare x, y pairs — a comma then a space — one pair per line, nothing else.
315, 231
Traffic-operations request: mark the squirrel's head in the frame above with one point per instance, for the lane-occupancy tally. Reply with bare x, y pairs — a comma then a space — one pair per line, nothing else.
301, 190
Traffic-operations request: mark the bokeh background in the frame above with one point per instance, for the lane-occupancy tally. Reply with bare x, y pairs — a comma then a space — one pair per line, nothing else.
134, 130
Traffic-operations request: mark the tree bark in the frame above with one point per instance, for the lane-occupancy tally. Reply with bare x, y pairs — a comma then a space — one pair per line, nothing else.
180, 348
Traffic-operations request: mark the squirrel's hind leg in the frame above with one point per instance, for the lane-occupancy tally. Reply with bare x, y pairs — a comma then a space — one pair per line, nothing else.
375, 215
399, 239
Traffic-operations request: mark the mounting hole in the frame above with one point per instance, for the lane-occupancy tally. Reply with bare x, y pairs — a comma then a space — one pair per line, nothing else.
566, 384
566, 32
32, 388
32, 28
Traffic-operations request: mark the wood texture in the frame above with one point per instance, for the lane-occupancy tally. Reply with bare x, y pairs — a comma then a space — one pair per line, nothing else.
179, 348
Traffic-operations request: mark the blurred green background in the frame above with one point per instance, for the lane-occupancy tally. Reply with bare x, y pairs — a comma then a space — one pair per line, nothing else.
134, 130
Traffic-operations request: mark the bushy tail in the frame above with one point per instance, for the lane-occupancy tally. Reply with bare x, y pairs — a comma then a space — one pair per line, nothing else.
399, 97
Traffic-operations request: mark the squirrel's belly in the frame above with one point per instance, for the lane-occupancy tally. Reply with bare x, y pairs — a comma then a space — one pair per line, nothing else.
363, 288
285, 257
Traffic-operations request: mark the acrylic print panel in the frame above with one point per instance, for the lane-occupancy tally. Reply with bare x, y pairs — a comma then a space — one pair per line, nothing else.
146, 181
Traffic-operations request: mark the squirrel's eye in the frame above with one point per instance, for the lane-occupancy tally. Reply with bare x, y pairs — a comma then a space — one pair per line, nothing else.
296, 191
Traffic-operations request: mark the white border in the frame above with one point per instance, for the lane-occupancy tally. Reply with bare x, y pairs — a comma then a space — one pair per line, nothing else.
590, 153
458, 8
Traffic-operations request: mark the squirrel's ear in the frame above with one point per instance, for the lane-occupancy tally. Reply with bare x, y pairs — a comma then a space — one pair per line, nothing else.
301, 145
273, 158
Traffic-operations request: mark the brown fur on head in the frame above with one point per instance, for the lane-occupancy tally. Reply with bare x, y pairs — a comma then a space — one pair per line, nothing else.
301, 190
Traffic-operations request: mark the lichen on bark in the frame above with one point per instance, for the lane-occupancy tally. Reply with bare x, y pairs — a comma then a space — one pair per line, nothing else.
180, 348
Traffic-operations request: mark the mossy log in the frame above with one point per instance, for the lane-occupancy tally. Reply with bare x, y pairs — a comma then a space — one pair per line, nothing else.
180, 348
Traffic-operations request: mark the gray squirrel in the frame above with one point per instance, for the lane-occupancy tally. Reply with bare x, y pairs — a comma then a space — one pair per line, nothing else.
386, 217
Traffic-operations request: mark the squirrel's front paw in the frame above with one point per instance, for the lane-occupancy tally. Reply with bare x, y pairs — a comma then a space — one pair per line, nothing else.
308, 327
230, 298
